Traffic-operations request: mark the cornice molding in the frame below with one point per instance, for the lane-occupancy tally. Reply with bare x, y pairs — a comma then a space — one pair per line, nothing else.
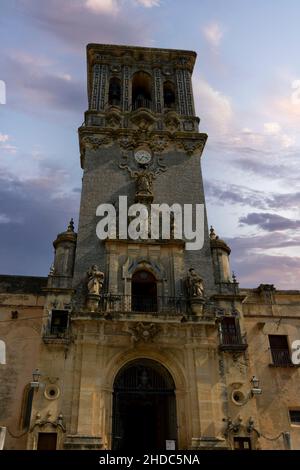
92, 138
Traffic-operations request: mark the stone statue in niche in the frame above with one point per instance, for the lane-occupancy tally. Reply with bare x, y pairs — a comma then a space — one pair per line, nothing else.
144, 182
95, 280
194, 284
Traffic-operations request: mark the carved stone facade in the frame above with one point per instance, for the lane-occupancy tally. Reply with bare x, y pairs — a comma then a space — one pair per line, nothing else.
147, 317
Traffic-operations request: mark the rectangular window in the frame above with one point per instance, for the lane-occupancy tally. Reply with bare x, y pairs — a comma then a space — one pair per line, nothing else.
229, 331
47, 441
295, 416
230, 335
59, 322
242, 443
280, 350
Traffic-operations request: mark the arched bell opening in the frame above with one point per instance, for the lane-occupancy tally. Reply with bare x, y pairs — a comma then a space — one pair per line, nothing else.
114, 93
141, 90
169, 95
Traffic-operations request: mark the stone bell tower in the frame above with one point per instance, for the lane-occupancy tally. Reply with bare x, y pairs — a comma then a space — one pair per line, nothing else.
140, 139
131, 338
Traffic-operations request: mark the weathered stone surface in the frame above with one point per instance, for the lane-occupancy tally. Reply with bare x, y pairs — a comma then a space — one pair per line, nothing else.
22, 284
102, 333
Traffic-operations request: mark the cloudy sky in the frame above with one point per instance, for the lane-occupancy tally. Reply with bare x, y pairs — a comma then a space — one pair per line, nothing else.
247, 90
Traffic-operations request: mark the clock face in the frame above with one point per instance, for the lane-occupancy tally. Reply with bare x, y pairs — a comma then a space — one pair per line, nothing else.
142, 156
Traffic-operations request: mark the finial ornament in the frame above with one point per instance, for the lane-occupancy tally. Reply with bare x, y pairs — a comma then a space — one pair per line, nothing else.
234, 277
212, 234
71, 225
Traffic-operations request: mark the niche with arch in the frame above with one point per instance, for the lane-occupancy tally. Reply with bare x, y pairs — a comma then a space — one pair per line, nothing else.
169, 95
114, 93
141, 90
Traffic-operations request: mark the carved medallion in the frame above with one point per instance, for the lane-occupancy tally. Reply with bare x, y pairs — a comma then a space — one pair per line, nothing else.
144, 332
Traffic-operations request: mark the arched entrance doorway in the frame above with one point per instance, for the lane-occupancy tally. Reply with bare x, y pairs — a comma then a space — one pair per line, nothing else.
144, 407
143, 292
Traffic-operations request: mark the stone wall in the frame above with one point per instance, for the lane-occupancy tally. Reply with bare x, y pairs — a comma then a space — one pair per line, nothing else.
22, 335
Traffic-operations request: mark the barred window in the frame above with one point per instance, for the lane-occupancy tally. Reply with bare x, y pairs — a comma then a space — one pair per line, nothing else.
59, 322
280, 350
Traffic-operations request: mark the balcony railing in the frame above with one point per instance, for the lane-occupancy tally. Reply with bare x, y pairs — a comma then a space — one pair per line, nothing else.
55, 333
52, 337
232, 341
144, 304
58, 330
281, 357
141, 103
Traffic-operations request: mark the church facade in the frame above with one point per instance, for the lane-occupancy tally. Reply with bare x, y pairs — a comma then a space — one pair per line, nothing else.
141, 343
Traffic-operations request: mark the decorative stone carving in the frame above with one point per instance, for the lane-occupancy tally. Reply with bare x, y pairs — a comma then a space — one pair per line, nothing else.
144, 332
113, 119
144, 180
99, 86
167, 71
188, 92
158, 89
188, 126
232, 427
46, 425
158, 144
93, 142
172, 121
143, 119
115, 68
57, 423
128, 142
267, 292
181, 94
238, 428
127, 162
126, 73
191, 147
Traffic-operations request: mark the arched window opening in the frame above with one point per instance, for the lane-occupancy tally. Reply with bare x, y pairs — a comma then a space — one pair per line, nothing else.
144, 292
169, 95
141, 90
114, 94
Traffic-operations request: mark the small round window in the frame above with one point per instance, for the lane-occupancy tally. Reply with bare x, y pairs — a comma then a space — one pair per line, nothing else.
238, 397
52, 392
